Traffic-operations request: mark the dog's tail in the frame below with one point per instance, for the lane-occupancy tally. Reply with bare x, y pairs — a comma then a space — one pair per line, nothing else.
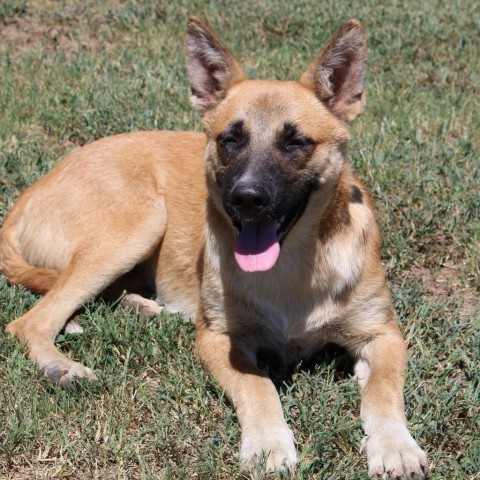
18, 271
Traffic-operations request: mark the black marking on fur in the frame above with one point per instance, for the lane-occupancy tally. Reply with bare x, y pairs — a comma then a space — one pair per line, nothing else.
357, 196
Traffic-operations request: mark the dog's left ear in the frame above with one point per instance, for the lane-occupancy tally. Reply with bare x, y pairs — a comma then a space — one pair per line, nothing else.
337, 74
212, 68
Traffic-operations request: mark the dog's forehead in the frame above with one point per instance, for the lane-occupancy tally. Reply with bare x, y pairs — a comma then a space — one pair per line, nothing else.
265, 106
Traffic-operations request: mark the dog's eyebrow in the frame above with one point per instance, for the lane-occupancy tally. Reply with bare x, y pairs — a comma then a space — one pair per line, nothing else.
234, 129
291, 130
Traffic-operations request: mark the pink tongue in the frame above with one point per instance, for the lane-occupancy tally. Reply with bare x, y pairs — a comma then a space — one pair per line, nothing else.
257, 247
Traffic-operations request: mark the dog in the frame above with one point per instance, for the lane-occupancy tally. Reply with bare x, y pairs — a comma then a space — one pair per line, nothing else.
256, 228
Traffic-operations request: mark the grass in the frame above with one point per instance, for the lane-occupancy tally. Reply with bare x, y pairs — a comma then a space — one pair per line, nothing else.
73, 72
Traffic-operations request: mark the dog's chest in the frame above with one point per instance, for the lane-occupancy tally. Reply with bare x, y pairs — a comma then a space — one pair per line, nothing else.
293, 323
302, 303
309, 330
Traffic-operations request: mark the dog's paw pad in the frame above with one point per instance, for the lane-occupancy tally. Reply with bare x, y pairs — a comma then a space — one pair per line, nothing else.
274, 447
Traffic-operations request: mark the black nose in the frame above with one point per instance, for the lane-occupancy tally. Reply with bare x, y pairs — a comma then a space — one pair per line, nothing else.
249, 200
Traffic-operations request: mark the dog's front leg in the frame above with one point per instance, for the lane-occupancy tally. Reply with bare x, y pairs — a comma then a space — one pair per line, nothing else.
265, 433
380, 370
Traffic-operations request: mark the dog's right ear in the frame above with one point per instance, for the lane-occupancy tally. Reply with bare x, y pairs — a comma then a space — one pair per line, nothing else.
212, 68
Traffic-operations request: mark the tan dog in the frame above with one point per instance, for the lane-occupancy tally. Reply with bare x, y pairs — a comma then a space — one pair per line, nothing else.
278, 249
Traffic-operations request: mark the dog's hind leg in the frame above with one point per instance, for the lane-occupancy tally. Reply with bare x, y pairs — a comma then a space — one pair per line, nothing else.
73, 326
36, 279
18, 271
141, 305
95, 266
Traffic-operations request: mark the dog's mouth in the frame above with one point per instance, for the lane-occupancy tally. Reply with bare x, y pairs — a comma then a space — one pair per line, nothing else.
257, 244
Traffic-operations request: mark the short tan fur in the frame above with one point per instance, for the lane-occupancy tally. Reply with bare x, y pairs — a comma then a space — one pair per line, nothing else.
173, 213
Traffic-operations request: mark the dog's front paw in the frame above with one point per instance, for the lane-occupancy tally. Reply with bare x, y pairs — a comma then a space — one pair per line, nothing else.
393, 453
275, 446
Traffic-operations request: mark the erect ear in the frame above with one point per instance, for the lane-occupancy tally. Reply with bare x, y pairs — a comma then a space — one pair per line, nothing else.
212, 68
337, 74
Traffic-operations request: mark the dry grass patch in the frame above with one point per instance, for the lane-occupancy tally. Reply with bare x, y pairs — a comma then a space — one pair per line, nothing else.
29, 33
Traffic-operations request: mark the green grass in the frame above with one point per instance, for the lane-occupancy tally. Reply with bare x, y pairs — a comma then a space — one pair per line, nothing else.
72, 72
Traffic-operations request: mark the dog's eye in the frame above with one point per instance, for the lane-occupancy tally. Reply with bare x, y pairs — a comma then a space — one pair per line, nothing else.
231, 143
292, 140
295, 143
229, 140
234, 137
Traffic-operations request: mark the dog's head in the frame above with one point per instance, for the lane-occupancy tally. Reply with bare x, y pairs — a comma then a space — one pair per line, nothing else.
273, 146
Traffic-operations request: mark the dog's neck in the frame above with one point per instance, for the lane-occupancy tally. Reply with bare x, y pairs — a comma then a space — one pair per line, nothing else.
335, 215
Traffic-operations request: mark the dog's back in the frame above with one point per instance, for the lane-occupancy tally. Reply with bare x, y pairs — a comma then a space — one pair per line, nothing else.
102, 183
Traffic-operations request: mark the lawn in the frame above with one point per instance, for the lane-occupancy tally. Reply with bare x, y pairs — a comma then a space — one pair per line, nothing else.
72, 72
